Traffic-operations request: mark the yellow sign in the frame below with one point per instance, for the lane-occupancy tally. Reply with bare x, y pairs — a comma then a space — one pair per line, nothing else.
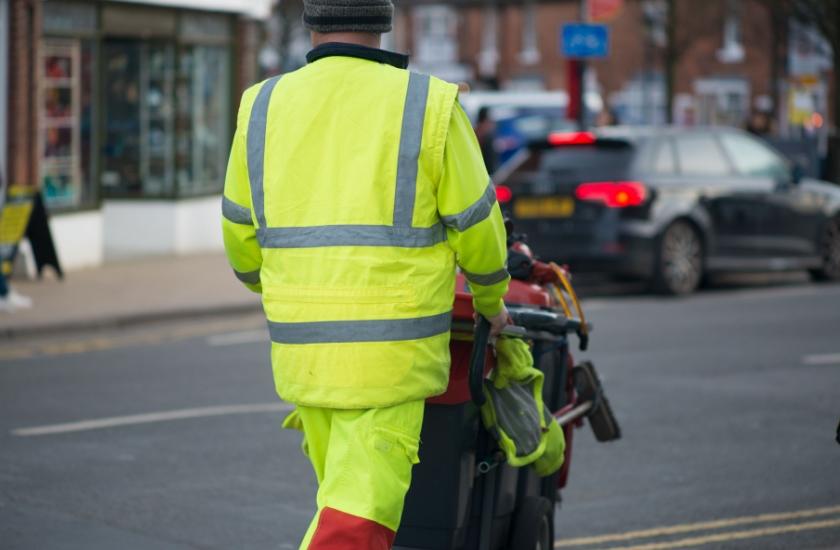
15, 216
547, 207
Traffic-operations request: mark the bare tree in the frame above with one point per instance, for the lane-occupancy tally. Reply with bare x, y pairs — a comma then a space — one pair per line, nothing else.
685, 22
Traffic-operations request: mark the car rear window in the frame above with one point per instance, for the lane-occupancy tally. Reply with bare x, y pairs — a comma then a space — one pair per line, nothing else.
587, 163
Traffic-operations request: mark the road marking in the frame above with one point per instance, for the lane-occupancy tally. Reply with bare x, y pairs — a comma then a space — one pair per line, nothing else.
735, 535
148, 418
237, 338
824, 359
701, 526
140, 337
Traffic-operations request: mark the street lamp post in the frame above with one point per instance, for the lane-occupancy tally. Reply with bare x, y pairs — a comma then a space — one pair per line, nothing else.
581, 73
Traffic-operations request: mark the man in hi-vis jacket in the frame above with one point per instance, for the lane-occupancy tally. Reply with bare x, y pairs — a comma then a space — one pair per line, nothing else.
354, 189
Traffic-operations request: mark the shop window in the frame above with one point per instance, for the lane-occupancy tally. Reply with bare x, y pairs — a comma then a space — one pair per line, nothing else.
436, 34
488, 57
69, 17
138, 103
202, 119
133, 101
205, 27
167, 110
722, 101
530, 53
65, 122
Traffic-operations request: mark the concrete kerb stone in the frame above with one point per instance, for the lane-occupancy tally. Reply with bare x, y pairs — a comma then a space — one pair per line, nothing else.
124, 321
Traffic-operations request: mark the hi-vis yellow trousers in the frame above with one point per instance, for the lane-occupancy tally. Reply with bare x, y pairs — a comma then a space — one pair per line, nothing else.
362, 460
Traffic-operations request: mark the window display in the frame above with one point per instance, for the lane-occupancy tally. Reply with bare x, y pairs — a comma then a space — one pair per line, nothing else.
202, 119
64, 121
133, 101
137, 159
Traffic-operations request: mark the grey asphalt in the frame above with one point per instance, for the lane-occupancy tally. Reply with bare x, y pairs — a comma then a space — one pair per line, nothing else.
723, 416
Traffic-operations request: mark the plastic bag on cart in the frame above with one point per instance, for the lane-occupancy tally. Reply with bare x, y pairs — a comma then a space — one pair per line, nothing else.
555, 448
514, 411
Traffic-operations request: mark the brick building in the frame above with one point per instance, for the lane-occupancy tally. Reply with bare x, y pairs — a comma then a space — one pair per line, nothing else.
732, 54
122, 114
727, 58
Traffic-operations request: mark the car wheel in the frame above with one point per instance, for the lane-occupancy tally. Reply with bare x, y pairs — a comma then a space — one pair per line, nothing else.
830, 253
679, 260
533, 526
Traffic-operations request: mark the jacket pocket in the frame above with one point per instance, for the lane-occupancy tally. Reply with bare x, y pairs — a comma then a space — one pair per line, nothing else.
339, 295
389, 441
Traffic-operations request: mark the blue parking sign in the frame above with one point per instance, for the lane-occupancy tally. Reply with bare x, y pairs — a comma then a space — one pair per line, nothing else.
579, 40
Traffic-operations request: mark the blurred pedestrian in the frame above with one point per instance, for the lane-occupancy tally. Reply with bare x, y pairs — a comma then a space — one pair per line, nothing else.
10, 300
760, 124
353, 189
485, 131
606, 118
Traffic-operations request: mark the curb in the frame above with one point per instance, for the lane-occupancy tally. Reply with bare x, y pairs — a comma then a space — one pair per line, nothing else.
126, 321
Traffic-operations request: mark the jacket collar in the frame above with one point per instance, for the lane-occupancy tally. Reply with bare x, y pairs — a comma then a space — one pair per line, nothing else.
397, 60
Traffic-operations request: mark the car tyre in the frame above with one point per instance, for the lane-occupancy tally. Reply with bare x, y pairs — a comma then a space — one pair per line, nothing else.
679, 260
830, 253
533, 526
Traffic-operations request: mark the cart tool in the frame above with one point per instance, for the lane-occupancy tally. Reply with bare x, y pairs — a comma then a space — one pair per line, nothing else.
465, 494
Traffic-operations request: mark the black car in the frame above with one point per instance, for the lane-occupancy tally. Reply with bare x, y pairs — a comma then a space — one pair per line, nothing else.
670, 205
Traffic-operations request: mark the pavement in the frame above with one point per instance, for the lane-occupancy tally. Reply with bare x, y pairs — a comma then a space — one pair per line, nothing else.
166, 434
184, 287
129, 292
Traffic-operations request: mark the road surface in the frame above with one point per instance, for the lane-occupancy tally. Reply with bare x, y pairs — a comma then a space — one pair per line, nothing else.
168, 436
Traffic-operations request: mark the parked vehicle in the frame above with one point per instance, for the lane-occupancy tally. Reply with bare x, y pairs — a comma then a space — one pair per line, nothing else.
521, 116
671, 205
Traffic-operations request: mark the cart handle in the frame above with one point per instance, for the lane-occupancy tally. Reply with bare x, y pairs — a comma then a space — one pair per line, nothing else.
477, 359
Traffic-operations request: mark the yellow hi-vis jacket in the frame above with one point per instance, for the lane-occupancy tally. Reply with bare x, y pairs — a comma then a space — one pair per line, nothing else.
352, 191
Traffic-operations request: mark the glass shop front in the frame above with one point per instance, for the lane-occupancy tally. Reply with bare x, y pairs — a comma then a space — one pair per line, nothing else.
133, 102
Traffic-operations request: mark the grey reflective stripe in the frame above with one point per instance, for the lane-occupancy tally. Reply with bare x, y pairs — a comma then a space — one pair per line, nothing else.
234, 213
477, 211
486, 280
334, 332
411, 136
401, 234
256, 147
350, 235
250, 277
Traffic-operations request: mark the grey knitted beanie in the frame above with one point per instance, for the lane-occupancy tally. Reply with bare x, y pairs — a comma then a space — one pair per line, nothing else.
348, 15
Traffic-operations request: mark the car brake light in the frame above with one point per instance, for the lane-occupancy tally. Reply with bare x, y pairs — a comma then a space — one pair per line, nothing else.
613, 194
571, 138
503, 194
